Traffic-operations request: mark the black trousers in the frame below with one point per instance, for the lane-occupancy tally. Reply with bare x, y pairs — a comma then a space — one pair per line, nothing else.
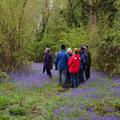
56, 66
48, 72
87, 72
68, 78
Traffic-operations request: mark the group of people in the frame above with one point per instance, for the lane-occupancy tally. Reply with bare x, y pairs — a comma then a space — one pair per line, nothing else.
73, 65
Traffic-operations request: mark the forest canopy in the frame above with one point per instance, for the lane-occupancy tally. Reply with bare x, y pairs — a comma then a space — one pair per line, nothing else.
27, 27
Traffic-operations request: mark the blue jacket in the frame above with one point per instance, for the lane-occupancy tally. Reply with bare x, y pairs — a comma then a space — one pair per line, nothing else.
69, 55
62, 60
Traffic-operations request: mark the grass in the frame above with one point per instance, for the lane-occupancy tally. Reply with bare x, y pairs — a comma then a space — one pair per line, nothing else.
92, 100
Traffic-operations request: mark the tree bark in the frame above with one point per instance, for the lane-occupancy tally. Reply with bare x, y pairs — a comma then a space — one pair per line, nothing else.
92, 19
45, 18
92, 16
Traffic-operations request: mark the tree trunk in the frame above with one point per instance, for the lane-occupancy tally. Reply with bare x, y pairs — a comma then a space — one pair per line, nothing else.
92, 19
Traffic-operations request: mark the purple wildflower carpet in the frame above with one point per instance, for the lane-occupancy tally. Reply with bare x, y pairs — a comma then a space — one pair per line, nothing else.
98, 87
32, 76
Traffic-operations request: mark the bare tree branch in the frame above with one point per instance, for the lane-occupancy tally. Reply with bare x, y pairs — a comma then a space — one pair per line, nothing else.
45, 19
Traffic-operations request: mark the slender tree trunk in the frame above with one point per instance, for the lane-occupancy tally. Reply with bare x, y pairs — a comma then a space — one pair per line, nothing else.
19, 44
92, 19
45, 17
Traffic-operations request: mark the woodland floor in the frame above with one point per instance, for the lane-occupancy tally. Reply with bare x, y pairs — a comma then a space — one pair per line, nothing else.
31, 95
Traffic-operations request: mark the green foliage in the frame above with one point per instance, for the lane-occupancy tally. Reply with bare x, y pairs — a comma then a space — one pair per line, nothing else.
17, 110
111, 64
4, 117
38, 49
106, 105
24, 35
9, 100
109, 46
7, 86
74, 37
41, 103
17, 31
4, 77
3, 102
107, 7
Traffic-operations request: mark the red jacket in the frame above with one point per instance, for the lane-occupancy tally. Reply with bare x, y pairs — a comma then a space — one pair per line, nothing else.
74, 63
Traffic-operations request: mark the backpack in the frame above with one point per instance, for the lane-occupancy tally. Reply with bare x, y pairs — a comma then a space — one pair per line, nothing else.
74, 64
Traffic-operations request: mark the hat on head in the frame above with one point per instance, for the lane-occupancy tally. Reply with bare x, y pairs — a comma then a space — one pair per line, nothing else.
69, 50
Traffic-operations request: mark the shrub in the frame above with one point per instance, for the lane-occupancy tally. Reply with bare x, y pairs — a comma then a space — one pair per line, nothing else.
71, 38
105, 105
3, 102
4, 76
111, 64
9, 100
4, 117
17, 111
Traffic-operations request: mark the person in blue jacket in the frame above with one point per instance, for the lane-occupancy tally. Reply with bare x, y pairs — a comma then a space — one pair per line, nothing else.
62, 62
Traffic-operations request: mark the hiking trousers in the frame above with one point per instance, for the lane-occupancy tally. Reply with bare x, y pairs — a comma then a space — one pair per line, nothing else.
87, 72
63, 77
74, 80
49, 73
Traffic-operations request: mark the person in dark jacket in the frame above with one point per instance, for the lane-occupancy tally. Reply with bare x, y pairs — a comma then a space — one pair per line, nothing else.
87, 71
55, 60
62, 62
83, 57
47, 62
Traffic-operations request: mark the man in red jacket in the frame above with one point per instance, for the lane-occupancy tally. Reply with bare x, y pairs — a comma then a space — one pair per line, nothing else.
74, 67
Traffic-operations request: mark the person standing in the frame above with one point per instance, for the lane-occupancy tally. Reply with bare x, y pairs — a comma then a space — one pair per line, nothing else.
88, 67
47, 62
83, 57
62, 62
69, 53
55, 60
74, 67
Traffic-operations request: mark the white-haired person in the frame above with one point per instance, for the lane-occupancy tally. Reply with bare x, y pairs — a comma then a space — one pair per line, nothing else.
47, 62
69, 53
